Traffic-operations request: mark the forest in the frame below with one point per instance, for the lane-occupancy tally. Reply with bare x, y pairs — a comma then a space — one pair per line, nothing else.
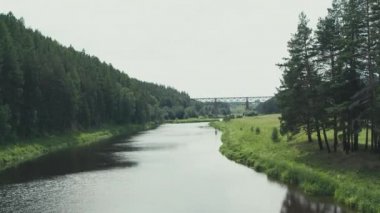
331, 78
48, 88
268, 107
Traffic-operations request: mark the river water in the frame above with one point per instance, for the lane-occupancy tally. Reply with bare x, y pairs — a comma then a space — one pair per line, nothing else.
175, 168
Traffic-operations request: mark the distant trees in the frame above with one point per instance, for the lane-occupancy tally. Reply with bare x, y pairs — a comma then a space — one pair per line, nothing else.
268, 107
331, 77
48, 88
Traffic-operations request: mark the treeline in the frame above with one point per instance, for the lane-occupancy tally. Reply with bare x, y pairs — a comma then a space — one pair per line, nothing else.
268, 107
176, 105
331, 77
48, 88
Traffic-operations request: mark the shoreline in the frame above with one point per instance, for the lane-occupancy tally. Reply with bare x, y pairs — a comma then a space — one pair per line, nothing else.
12, 155
192, 120
287, 163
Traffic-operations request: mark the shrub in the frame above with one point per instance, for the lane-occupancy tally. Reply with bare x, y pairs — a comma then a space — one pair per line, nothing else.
275, 134
228, 118
259, 167
250, 114
257, 130
274, 173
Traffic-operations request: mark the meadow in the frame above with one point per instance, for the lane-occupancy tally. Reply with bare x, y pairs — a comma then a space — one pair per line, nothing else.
350, 179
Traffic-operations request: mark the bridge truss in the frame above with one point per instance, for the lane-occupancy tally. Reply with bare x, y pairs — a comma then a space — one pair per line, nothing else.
234, 99
245, 100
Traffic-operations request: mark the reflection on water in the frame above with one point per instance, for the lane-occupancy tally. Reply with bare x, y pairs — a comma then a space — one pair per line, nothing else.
71, 161
175, 168
296, 202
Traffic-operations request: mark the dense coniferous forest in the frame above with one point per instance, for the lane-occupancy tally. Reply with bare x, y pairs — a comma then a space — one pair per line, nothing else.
331, 78
48, 88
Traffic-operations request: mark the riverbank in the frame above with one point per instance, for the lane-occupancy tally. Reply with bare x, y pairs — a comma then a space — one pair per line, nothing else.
26, 150
192, 120
353, 180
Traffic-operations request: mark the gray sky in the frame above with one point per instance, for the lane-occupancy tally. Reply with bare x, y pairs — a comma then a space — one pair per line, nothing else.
203, 47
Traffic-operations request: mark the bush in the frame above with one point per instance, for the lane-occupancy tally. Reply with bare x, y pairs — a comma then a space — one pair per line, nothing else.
228, 118
274, 173
275, 134
250, 114
259, 167
257, 131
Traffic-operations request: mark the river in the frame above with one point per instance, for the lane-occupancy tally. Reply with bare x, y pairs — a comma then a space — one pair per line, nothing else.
175, 168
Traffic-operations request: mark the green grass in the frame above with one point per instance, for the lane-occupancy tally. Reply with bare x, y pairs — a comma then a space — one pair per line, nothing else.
353, 179
16, 153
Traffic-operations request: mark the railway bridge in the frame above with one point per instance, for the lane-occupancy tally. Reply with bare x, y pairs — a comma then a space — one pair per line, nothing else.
246, 100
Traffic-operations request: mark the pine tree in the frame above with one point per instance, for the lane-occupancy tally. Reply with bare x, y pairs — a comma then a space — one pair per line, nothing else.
329, 45
297, 94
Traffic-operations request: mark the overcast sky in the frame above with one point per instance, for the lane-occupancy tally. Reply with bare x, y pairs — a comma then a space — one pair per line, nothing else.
203, 47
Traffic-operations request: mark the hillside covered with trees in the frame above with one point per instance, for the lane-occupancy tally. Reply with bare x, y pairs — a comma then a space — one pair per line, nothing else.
331, 77
48, 88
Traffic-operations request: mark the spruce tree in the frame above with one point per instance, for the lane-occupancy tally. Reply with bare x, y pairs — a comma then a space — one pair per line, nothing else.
297, 93
329, 44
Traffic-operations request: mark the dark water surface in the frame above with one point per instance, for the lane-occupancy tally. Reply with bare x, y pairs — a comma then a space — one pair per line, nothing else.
176, 168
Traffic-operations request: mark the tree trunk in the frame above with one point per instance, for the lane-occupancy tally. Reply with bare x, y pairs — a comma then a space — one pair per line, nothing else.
308, 131
335, 134
372, 138
348, 137
373, 135
345, 140
319, 135
366, 136
326, 141
375, 142
355, 141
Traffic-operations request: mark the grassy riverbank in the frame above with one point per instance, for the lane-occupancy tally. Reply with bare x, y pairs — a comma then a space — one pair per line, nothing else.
14, 154
353, 179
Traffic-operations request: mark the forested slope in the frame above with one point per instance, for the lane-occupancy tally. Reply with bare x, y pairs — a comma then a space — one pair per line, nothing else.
48, 88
